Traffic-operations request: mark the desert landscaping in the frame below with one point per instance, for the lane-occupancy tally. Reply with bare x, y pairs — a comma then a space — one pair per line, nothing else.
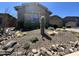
38, 43
35, 33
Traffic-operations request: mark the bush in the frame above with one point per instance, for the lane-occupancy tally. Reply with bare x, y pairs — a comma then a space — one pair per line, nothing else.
26, 46
51, 28
34, 40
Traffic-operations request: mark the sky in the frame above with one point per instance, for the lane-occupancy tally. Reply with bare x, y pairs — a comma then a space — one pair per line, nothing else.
61, 9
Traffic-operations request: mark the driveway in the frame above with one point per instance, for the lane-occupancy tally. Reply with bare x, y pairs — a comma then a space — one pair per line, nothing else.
73, 29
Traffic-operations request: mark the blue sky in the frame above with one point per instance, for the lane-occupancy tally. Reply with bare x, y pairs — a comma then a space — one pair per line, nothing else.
61, 9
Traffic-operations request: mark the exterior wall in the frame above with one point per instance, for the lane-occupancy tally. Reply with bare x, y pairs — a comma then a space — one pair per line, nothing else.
31, 13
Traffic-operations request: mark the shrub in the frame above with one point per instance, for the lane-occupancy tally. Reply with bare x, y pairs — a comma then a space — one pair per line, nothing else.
34, 40
51, 28
26, 46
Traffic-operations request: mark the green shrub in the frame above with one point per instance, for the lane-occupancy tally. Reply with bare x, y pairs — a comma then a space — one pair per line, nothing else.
26, 46
34, 40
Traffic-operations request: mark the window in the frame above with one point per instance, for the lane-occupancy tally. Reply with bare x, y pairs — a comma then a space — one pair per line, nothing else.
30, 9
0, 21
36, 18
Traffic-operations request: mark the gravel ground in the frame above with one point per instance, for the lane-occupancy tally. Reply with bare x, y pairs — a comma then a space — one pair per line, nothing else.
61, 38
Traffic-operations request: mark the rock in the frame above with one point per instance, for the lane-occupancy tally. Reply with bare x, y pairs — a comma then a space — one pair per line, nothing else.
18, 34
19, 53
17, 45
57, 45
3, 42
62, 45
10, 50
3, 52
54, 48
71, 50
52, 51
0, 46
61, 53
43, 53
52, 33
76, 44
1, 39
77, 48
34, 51
9, 44
9, 37
55, 54
30, 54
4, 38
60, 29
71, 42
46, 51
60, 49
37, 54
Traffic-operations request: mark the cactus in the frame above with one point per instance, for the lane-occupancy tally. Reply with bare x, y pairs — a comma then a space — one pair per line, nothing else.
42, 28
42, 25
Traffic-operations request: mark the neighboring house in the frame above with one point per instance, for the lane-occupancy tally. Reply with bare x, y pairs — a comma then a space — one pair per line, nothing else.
55, 21
71, 21
30, 13
71, 24
6, 20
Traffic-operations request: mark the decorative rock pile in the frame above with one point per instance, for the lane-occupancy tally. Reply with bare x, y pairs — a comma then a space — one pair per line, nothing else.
8, 48
55, 50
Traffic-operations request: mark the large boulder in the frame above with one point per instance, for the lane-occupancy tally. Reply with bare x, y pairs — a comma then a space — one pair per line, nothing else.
10, 50
9, 44
3, 52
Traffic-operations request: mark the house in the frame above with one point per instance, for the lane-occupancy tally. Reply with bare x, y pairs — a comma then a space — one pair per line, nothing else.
6, 20
29, 14
55, 21
71, 21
